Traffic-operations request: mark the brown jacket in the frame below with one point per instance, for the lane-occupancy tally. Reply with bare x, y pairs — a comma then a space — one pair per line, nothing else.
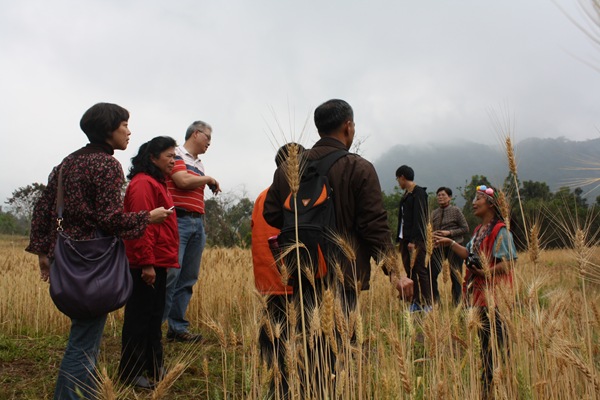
360, 215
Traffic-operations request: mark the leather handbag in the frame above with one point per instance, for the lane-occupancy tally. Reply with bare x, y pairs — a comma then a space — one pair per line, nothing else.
88, 278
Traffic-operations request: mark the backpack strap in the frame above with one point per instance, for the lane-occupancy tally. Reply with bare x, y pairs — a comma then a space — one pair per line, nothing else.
323, 165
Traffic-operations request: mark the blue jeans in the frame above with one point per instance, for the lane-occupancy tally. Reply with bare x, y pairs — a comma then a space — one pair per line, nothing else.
77, 369
181, 281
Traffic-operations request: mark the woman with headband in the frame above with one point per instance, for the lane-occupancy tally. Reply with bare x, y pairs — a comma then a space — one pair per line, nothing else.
490, 256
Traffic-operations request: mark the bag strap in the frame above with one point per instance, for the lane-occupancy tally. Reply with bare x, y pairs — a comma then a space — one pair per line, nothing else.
60, 201
324, 164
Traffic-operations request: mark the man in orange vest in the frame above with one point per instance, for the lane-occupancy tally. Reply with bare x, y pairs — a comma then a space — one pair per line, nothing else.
269, 282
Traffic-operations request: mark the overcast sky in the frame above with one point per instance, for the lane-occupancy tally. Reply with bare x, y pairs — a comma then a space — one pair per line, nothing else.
415, 71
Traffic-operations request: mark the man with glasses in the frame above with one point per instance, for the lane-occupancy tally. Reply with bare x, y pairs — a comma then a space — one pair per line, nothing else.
186, 185
448, 221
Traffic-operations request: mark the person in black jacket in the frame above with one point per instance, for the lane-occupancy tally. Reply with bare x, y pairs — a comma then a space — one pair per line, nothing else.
412, 219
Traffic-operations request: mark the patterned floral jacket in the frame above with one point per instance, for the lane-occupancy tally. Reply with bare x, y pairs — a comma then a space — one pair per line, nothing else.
92, 184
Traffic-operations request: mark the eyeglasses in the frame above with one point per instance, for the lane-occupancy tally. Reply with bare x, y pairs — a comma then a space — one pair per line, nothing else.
205, 134
486, 190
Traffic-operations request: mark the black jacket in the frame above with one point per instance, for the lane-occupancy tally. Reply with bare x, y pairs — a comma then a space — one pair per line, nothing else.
413, 215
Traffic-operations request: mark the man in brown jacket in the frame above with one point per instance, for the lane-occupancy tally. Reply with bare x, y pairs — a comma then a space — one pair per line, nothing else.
361, 219
360, 216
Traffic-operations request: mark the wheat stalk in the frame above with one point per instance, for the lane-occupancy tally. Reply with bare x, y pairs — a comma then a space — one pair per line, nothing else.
446, 270
340, 320
314, 325
167, 382
106, 388
504, 128
345, 245
504, 207
428, 242
534, 244
293, 174
327, 317
510, 154
218, 330
402, 365
413, 257
339, 274
563, 351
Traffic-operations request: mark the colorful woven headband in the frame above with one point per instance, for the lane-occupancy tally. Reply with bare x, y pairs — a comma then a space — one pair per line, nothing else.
486, 190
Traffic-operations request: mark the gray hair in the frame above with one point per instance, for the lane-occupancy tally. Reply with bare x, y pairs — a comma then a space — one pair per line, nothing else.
196, 126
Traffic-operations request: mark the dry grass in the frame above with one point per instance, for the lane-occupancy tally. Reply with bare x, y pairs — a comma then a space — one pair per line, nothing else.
552, 324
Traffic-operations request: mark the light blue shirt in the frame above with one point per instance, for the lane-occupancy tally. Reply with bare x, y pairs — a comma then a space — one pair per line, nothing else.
503, 248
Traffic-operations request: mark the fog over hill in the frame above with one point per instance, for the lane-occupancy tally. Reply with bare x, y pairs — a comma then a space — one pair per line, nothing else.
554, 161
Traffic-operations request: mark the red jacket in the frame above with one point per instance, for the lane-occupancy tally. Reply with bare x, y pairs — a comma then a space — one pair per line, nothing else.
160, 244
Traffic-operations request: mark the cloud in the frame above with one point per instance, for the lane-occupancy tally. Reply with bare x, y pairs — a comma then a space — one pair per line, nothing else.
415, 72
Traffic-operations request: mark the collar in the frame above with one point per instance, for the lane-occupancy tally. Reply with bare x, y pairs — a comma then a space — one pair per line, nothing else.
92, 148
330, 142
185, 151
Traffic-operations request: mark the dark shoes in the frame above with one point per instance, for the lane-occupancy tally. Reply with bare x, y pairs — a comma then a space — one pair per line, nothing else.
141, 382
183, 337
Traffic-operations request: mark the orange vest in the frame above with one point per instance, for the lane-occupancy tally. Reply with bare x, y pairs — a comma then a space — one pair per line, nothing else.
266, 275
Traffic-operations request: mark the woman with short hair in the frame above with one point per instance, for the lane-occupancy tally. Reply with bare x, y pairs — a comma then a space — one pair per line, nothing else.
447, 220
92, 180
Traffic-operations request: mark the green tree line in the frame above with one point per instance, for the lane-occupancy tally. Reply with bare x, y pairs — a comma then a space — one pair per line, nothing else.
228, 217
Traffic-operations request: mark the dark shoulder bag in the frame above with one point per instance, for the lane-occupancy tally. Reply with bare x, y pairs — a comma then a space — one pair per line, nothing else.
88, 278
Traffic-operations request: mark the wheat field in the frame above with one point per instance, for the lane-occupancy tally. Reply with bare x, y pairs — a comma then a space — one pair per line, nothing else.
553, 321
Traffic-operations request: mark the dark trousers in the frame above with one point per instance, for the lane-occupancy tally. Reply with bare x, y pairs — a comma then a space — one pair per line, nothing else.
456, 272
321, 357
487, 352
141, 345
419, 273
272, 347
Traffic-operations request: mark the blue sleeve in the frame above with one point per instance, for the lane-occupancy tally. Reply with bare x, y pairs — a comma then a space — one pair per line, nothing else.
469, 246
504, 246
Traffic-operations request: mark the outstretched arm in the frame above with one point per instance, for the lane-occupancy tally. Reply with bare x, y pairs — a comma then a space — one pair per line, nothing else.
443, 241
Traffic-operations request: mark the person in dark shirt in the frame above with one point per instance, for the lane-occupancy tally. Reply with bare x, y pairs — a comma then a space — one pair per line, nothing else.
412, 222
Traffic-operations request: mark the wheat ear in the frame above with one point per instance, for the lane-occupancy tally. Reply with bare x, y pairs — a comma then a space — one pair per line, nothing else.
293, 175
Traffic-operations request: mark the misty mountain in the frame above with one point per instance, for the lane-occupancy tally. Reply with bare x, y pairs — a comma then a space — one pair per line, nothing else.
558, 162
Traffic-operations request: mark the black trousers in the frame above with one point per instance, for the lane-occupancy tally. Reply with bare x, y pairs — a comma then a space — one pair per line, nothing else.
487, 352
456, 272
272, 347
321, 357
141, 344
419, 273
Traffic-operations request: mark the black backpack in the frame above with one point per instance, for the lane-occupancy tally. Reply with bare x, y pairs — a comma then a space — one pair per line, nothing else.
316, 219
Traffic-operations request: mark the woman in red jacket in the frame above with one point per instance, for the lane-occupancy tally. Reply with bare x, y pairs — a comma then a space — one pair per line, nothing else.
149, 257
